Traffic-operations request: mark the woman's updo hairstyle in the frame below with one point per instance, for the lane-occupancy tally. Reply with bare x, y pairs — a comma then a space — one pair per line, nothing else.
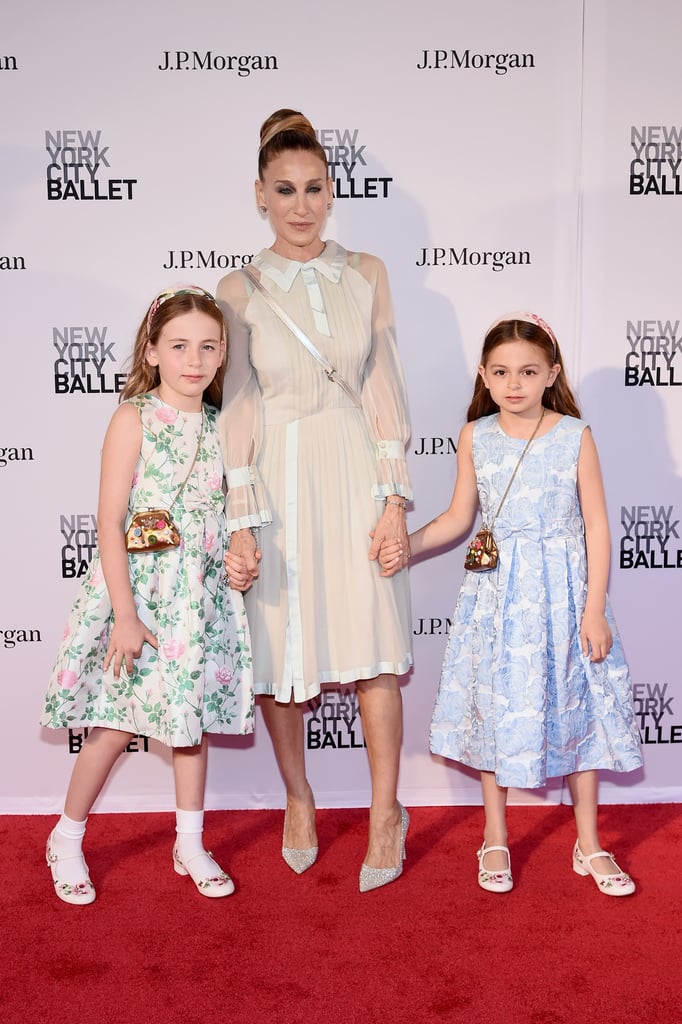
284, 130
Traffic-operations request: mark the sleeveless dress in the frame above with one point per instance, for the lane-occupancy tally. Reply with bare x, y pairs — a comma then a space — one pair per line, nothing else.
200, 678
312, 469
517, 696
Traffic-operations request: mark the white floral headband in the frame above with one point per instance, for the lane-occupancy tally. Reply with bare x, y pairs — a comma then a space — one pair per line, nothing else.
170, 293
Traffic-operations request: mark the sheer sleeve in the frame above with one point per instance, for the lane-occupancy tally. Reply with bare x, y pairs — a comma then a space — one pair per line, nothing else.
240, 425
384, 395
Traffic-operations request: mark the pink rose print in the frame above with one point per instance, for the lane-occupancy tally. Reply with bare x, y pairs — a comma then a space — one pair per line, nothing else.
166, 415
136, 477
209, 541
66, 633
223, 675
97, 575
215, 482
173, 649
67, 679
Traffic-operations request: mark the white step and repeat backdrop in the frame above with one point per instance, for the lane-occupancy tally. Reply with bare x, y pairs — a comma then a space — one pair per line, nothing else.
495, 155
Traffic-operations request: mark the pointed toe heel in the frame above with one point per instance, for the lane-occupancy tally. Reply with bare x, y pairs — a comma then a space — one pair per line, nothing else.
375, 878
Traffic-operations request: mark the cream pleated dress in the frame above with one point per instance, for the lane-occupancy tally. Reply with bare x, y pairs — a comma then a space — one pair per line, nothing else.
312, 469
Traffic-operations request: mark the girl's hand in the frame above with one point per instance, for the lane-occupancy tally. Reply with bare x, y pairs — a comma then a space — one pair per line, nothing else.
391, 528
390, 556
125, 644
241, 560
596, 639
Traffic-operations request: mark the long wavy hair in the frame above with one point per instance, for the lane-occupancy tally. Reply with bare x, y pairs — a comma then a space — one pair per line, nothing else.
142, 377
559, 397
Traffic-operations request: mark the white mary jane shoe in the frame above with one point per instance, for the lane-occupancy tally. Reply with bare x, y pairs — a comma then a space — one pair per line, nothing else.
214, 885
494, 881
77, 893
619, 884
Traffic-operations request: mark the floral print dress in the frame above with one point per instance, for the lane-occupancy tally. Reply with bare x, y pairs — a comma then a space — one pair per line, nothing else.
517, 696
199, 680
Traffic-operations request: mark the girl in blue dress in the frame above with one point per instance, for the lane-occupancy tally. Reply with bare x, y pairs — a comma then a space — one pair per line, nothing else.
534, 682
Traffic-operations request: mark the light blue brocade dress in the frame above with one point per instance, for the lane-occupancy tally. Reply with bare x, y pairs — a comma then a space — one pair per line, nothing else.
517, 696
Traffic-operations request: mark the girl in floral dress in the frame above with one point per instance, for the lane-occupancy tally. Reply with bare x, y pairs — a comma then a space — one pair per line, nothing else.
156, 644
534, 682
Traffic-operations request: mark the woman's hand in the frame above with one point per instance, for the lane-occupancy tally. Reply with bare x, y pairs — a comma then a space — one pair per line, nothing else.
128, 635
390, 557
390, 529
241, 560
596, 638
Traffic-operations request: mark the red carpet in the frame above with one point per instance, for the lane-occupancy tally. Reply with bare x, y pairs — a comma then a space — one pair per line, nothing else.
295, 950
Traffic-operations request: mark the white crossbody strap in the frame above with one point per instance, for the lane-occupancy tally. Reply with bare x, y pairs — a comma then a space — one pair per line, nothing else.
331, 372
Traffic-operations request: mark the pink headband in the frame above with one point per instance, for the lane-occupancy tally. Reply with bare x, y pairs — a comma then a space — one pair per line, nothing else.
527, 318
191, 289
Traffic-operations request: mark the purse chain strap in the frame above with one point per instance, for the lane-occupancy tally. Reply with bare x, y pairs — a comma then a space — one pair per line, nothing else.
516, 468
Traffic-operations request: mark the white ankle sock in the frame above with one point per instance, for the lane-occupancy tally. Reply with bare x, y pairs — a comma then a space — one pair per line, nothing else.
189, 827
67, 840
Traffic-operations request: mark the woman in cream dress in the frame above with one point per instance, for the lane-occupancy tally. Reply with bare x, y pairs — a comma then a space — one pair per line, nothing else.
318, 473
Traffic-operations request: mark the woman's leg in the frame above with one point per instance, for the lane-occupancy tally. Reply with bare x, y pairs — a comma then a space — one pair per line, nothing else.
285, 726
381, 710
495, 831
583, 787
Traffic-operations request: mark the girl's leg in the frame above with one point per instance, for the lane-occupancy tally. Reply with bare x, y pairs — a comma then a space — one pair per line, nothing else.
495, 831
97, 756
285, 725
381, 708
583, 787
189, 855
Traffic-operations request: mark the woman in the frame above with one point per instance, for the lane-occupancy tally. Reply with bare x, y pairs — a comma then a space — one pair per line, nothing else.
319, 474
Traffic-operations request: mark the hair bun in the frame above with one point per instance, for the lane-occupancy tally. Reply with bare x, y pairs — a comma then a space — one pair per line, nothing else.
285, 120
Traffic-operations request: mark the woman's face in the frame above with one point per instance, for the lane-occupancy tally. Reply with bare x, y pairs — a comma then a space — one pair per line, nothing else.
296, 191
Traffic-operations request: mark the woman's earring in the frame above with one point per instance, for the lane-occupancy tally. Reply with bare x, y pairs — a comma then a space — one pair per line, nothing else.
329, 206
263, 209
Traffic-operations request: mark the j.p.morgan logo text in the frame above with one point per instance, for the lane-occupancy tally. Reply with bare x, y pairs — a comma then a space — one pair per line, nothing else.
466, 60
243, 65
654, 354
651, 537
83, 362
79, 168
348, 166
492, 259
656, 161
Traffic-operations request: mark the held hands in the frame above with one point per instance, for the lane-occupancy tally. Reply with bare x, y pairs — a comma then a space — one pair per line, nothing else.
241, 560
390, 543
128, 636
596, 639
